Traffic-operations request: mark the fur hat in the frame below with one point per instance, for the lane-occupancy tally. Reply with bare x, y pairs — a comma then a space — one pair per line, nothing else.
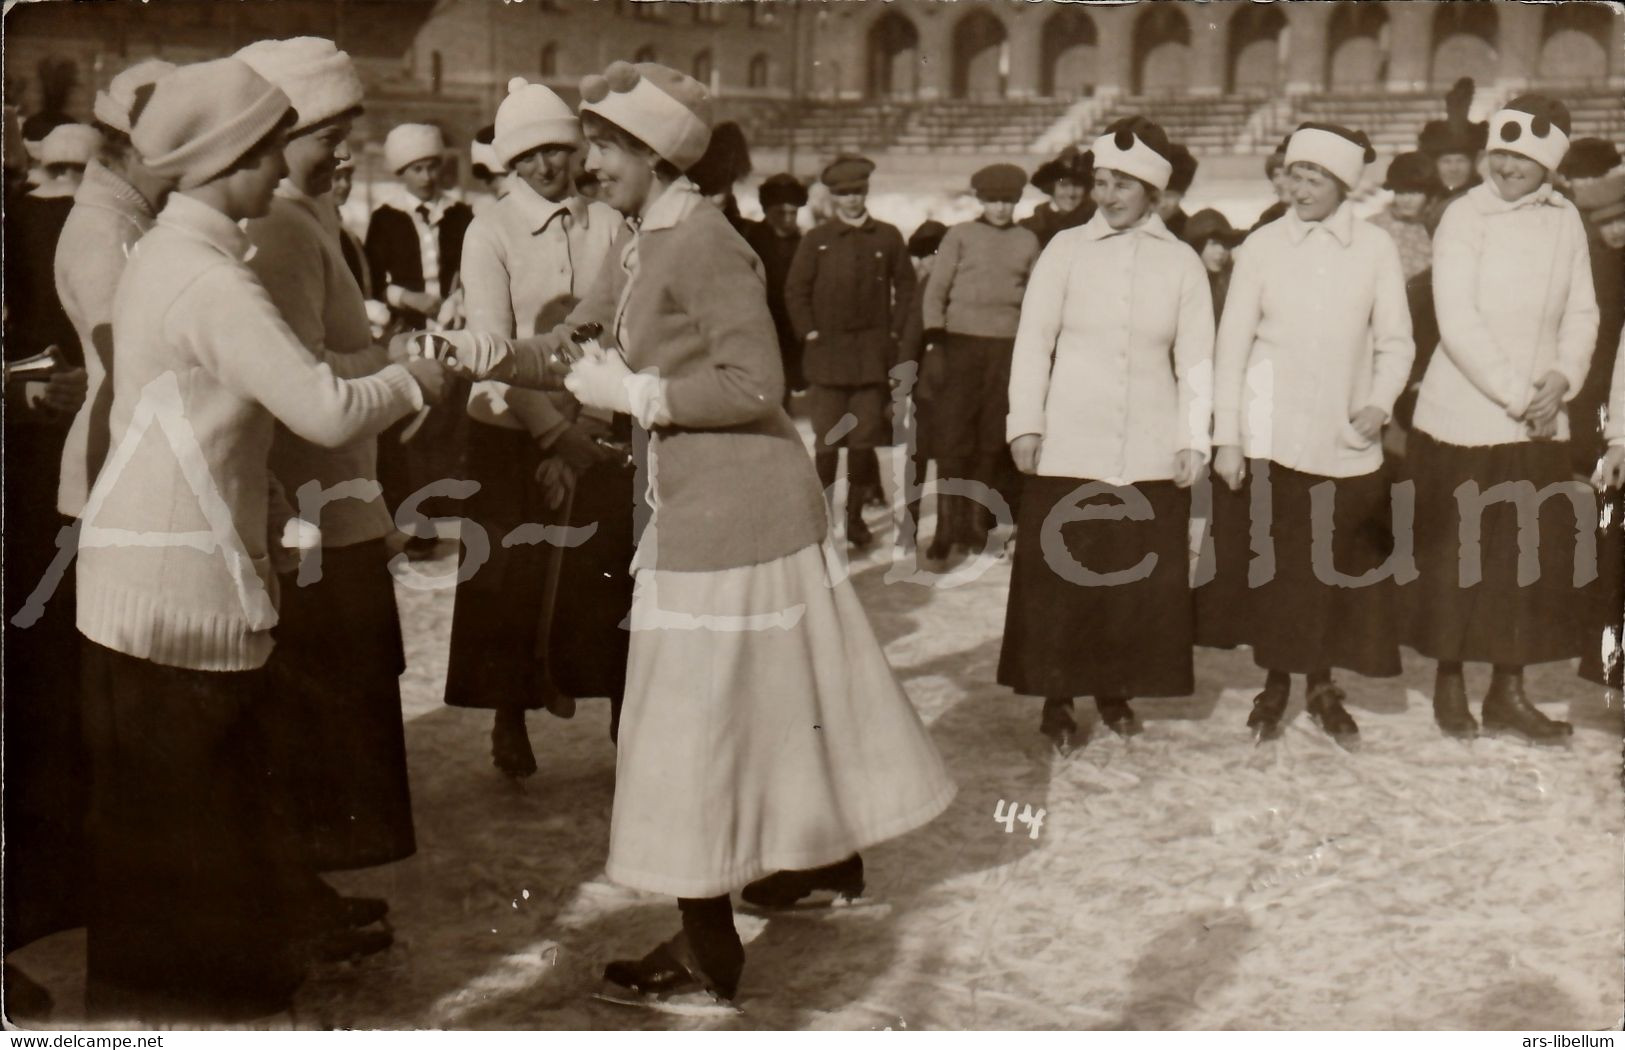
847, 173
1184, 172
406, 144
1532, 126
725, 161
1589, 158
926, 238
1071, 164
999, 182
117, 106
782, 189
668, 111
1455, 133
532, 115
1341, 151
1413, 172
1210, 225
319, 78
205, 117
1135, 146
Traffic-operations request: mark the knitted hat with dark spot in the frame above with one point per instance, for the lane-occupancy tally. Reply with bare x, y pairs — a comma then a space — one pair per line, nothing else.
1532, 126
1136, 146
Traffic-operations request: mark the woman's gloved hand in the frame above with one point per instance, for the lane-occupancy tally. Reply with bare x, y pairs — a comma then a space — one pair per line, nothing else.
599, 381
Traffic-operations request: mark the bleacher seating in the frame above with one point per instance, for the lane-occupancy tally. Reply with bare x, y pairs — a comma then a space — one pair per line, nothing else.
1205, 125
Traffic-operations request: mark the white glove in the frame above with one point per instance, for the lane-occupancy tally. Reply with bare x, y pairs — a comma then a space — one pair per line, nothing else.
300, 535
599, 381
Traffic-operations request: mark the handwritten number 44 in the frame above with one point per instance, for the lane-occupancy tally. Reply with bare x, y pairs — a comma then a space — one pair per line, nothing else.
1005, 813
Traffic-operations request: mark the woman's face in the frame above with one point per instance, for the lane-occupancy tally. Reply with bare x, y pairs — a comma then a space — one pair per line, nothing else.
1515, 175
1068, 195
546, 169
253, 183
625, 176
1455, 169
1215, 256
313, 157
1613, 233
422, 178
1409, 205
1123, 199
1315, 192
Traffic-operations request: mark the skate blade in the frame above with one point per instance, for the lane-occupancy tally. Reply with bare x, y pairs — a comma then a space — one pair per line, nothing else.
823, 902
682, 1004
1508, 733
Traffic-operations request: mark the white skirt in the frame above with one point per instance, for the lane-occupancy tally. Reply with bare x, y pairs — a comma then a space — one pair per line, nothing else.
763, 730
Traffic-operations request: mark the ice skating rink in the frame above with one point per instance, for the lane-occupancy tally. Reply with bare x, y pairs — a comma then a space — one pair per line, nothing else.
1184, 880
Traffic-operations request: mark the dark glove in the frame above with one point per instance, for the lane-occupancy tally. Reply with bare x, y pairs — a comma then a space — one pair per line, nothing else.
577, 447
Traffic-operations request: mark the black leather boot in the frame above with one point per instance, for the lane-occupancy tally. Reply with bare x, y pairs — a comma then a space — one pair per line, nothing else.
789, 889
1326, 708
669, 976
1508, 710
942, 542
1058, 724
857, 533
1118, 715
1268, 707
1450, 708
510, 743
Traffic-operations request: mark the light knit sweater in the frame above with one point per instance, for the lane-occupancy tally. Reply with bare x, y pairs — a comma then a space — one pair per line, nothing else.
979, 278
108, 217
202, 347
298, 259
527, 259
1315, 328
1114, 356
1513, 294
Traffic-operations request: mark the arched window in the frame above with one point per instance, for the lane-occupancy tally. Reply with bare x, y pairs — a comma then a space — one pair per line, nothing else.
1162, 37
1575, 49
1255, 48
1069, 62
1464, 36
549, 65
894, 53
703, 67
981, 57
1357, 47
761, 72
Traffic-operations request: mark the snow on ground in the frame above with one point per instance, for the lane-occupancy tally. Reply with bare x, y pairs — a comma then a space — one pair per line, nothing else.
1185, 880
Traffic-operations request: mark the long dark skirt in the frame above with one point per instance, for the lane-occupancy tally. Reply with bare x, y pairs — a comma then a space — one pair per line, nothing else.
337, 737
1496, 618
193, 878
1073, 637
1298, 619
497, 659
436, 451
1600, 657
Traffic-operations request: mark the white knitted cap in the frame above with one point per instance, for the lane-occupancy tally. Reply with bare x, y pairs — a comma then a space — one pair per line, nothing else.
406, 144
113, 106
70, 144
319, 78
1137, 158
1531, 126
531, 116
1337, 153
668, 111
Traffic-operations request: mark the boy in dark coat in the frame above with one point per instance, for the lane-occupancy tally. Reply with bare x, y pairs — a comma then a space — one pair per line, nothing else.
414, 248
775, 239
849, 293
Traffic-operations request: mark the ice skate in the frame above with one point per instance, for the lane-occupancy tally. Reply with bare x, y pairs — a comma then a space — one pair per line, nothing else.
1450, 708
1118, 716
1268, 707
832, 888
1062, 729
669, 980
1326, 708
510, 745
1507, 711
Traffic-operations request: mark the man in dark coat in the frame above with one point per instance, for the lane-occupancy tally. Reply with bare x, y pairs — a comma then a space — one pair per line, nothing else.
849, 293
775, 239
1067, 181
414, 249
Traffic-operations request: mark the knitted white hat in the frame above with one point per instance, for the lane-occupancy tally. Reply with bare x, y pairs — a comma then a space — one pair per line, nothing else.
668, 111
1340, 151
407, 144
114, 106
1532, 126
1136, 147
205, 117
70, 144
319, 78
532, 115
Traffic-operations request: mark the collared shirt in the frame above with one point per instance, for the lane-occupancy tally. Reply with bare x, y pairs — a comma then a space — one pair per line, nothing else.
1113, 356
426, 216
1513, 293
526, 260
1315, 328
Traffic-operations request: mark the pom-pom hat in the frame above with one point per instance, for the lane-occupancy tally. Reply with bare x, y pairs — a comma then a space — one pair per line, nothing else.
1339, 150
531, 116
999, 182
847, 173
406, 144
667, 111
782, 189
1135, 146
320, 79
116, 107
1532, 126
205, 117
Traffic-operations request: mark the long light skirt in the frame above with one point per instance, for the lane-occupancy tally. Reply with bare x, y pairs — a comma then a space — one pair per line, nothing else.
763, 730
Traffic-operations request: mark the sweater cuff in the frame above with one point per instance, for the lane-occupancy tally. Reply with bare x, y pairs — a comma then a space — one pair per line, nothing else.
1226, 427
403, 386
393, 295
647, 394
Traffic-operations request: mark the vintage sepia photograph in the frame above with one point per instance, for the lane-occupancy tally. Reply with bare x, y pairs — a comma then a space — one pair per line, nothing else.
813, 515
